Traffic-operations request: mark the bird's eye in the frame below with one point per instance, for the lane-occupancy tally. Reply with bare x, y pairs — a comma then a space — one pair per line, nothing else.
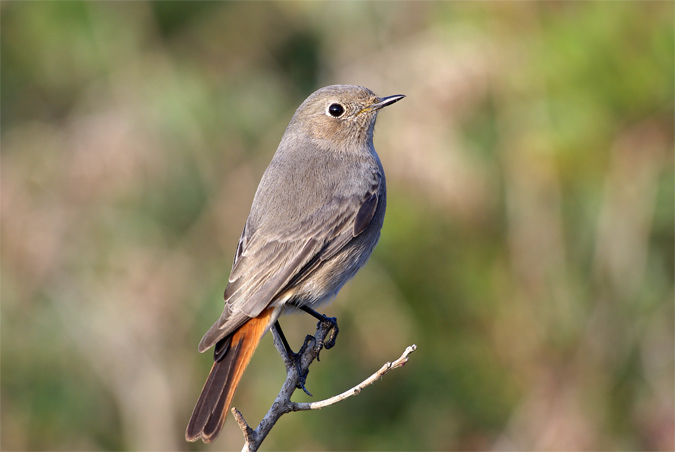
336, 110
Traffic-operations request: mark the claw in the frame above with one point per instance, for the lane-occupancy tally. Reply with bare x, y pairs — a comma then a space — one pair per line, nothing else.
330, 322
301, 382
333, 327
302, 376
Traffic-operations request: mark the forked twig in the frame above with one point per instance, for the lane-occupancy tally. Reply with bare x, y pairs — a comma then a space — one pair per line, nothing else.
358, 388
283, 404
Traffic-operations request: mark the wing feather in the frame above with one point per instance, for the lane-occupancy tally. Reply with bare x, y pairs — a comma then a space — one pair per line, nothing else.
266, 266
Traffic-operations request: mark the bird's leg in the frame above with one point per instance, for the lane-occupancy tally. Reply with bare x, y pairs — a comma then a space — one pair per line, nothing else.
330, 323
302, 376
289, 352
294, 358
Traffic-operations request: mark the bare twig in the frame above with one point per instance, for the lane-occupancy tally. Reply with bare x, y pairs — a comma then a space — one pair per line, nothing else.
358, 388
295, 374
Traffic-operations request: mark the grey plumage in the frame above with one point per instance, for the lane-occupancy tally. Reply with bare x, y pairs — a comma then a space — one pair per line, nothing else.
316, 215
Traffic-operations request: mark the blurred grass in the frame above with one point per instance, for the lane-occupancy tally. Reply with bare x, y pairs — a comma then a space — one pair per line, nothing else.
527, 249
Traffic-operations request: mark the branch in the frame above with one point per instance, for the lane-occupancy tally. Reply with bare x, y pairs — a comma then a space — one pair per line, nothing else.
358, 388
296, 371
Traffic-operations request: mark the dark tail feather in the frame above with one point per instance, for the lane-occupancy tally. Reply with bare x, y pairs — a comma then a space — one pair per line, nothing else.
234, 355
212, 393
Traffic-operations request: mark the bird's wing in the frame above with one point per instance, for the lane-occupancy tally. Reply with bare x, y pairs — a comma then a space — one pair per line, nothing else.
267, 265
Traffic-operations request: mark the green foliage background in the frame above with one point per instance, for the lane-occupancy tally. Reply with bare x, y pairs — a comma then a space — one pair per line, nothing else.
527, 249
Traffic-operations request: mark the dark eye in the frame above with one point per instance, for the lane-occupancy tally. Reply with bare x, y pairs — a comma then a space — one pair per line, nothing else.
336, 110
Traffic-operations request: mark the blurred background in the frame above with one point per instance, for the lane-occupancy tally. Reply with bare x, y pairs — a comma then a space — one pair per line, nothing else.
527, 249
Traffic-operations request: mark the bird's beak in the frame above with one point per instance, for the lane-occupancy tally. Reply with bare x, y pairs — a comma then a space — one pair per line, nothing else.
382, 102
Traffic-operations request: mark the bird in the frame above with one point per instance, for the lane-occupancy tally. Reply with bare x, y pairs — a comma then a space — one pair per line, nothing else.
315, 219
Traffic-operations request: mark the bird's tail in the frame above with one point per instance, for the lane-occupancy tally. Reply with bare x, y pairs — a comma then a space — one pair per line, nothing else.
232, 355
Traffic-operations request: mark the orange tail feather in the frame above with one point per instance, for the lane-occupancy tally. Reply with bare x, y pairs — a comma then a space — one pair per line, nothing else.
210, 411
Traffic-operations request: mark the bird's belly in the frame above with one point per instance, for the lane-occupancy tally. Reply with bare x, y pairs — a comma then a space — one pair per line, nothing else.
329, 277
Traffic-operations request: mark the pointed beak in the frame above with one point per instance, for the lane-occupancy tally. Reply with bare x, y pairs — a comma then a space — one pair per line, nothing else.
382, 102
385, 101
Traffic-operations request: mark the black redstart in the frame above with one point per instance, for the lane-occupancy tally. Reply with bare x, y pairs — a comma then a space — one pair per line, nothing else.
314, 222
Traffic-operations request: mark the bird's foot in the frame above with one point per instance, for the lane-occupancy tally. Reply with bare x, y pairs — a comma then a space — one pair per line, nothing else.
330, 323
297, 358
